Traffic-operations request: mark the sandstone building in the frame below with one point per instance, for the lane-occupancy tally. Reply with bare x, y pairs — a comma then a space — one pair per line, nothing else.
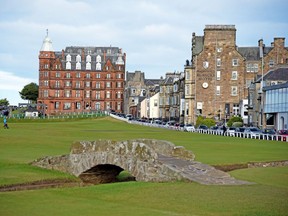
219, 73
79, 79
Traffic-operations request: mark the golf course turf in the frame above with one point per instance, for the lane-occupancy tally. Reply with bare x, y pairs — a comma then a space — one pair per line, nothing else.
27, 140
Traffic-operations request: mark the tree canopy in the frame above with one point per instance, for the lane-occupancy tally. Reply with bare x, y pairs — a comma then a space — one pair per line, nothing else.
4, 102
30, 92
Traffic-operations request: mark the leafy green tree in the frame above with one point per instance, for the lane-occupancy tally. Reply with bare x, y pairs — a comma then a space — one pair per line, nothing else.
4, 102
209, 122
30, 92
234, 119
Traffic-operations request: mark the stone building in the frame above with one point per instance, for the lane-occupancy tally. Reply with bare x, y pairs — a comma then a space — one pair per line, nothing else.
220, 72
137, 89
81, 79
169, 99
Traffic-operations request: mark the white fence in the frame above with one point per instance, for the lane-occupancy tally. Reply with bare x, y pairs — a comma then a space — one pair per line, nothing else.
275, 137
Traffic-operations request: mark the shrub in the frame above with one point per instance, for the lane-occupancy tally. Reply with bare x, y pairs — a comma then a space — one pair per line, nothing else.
234, 119
237, 124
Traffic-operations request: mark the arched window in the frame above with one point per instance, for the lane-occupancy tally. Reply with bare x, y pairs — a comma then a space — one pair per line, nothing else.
78, 58
98, 58
88, 58
68, 65
68, 57
78, 66
98, 66
88, 66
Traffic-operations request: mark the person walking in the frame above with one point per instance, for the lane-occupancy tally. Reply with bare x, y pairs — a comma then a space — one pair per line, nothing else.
5, 123
224, 130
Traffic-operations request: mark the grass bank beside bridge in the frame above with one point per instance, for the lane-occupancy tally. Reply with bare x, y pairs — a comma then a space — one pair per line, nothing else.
27, 140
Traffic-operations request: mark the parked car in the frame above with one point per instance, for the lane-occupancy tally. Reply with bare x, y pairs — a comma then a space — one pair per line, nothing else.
268, 133
283, 133
189, 128
252, 132
240, 131
203, 127
231, 131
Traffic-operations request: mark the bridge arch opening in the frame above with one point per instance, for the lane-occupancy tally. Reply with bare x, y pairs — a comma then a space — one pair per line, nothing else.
104, 173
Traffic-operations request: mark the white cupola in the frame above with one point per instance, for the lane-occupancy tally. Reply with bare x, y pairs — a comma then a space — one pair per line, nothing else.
47, 44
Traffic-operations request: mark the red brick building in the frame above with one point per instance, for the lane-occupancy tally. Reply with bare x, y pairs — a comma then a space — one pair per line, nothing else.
81, 79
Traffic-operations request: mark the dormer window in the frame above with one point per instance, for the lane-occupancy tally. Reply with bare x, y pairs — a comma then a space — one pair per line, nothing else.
68, 66
68, 57
98, 66
271, 63
88, 66
78, 58
88, 58
98, 58
78, 66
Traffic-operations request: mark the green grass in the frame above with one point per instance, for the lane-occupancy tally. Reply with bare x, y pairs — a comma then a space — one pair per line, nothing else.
29, 140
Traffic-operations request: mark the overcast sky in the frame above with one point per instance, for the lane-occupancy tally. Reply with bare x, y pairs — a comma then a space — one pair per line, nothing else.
154, 34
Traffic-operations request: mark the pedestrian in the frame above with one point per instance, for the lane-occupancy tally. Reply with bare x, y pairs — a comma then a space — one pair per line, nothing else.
5, 123
224, 130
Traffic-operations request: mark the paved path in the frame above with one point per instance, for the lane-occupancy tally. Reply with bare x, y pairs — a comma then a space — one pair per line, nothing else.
198, 172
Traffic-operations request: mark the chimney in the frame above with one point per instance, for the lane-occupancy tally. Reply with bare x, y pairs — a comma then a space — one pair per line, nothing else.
272, 44
260, 43
63, 55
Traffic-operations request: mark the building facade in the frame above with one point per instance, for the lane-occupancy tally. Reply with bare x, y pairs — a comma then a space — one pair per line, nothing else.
81, 79
219, 73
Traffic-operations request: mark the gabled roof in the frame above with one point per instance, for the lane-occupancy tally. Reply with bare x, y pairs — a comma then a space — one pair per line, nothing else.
280, 73
253, 53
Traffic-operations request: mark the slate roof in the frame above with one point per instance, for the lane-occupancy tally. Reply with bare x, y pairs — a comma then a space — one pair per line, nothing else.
253, 53
149, 82
280, 73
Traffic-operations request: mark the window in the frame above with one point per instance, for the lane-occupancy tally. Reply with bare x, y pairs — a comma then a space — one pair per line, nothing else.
78, 58
88, 57
108, 94
108, 76
234, 75
234, 62
57, 93
88, 75
248, 67
107, 105
78, 75
218, 75
217, 90
57, 75
118, 84
45, 93
87, 84
57, 84
256, 68
97, 106
234, 90
67, 93
218, 62
46, 74
187, 75
97, 85
98, 58
68, 57
219, 49
109, 51
78, 94
98, 76
118, 105
155, 102
118, 76
67, 106
68, 65
235, 109
46, 66
68, 75
87, 94
97, 95
46, 82
187, 92
78, 84
88, 66
118, 94
78, 105
133, 91
56, 105
67, 83
271, 63
98, 66
108, 84
78, 66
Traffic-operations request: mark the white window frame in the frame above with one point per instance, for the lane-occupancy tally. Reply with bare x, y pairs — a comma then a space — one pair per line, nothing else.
234, 91
234, 62
234, 75
218, 92
218, 75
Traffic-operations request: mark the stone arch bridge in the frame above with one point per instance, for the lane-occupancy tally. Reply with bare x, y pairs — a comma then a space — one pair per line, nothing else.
147, 160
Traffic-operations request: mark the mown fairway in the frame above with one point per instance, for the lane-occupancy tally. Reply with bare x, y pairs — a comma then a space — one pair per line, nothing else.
29, 140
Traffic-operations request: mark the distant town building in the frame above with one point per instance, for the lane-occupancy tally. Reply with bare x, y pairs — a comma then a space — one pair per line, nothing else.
219, 73
81, 78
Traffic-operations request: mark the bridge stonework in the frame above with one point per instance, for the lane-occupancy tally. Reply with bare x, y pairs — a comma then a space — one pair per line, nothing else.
146, 159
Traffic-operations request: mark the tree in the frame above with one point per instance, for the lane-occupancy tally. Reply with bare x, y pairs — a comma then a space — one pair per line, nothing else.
234, 119
30, 92
4, 102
